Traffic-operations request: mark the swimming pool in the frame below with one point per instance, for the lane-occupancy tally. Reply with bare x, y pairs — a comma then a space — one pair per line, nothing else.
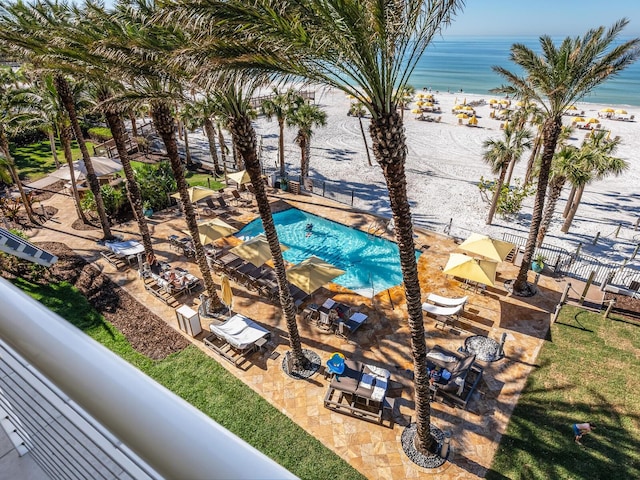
372, 264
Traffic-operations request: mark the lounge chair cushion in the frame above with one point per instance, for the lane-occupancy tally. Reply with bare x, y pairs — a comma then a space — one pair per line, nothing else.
446, 301
239, 331
442, 311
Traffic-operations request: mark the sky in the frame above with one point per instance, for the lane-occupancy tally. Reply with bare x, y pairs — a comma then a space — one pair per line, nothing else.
543, 17
538, 17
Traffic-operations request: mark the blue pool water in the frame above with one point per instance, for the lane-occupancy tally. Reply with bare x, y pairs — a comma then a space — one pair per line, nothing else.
371, 264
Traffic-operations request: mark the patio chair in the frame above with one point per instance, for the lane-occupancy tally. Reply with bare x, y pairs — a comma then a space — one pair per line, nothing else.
224, 205
236, 338
464, 375
443, 315
354, 322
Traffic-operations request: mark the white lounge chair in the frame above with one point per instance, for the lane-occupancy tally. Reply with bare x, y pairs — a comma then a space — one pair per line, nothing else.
446, 301
443, 315
236, 338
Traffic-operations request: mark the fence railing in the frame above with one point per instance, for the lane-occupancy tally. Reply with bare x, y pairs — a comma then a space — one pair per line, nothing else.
158, 433
308, 95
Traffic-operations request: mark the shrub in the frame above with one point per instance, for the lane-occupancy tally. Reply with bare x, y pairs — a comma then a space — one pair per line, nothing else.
156, 182
100, 134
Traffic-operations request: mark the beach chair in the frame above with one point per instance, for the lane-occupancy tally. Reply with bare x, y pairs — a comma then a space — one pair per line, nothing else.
236, 339
355, 321
447, 301
442, 315
454, 378
113, 259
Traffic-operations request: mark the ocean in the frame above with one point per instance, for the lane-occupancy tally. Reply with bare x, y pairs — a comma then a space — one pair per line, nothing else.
464, 63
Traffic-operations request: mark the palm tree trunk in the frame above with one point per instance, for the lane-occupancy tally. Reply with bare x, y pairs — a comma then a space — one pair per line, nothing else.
555, 189
550, 133
389, 149
116, 125
305, 150
364, 138
134, 123
567, 207
164, 124
281, 147
572, 211
52, 144
496, 195
65, 140
4, 146
223, 148
245, 136
62, 86
512, 164
532, 158
210, 131
186, 147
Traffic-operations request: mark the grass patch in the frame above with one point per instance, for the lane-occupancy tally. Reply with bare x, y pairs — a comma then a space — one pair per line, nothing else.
201, 381
588, 372
195, 179
36, 161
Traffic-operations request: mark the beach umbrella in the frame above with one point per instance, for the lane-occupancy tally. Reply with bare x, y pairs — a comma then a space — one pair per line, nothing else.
312, 273
593, 120
428, 104
420, 103
607, 110
472, 269
255, 250
102, 165
213, 230
240, 177
578, 119
493, 100
226, 293
421, 95
572, 107
621, 112
473, 120
504, 112
487, 247
462, 115
504, 102
416, 110
429, 96
196, 193
457, 107
467, 108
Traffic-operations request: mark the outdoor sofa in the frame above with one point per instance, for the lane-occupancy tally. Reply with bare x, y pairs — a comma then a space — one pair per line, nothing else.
456, 386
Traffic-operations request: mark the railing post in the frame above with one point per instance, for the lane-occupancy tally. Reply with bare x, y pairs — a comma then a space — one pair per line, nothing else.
611, 304
323, 187
618, 230
586, 287
352, 192
637, 224
565, 293
595, 240
635, 252
554, 317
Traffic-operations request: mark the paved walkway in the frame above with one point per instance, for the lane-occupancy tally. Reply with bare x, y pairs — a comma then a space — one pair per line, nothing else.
384, 340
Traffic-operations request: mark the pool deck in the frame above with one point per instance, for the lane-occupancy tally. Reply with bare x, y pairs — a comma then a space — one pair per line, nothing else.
383, 340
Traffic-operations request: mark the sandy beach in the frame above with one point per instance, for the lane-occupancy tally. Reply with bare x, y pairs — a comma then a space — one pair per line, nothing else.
444, 165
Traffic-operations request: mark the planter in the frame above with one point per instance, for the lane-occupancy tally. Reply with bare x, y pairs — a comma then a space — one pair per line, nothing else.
148, 212
537, 266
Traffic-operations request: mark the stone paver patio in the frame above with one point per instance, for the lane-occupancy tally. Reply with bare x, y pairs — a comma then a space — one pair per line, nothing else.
384, 341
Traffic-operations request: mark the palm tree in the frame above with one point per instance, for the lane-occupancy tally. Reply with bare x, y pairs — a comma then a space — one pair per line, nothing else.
501, 154
37, 33
599, 163
132, 47
305, 118
356, 109
558, 78
203, 110
235, 102
365, 49
10, 119
281, 105
405, 96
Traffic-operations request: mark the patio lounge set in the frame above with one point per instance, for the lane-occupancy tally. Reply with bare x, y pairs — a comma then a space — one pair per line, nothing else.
236, 338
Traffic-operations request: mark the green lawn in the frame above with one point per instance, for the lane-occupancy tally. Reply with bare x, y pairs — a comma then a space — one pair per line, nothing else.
35, 161
588, 371
201, 381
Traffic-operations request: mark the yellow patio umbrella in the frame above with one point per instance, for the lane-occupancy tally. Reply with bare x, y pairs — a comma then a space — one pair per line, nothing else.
467, 108
416, 110
240, 177
469, 268
607, 110
504, 112
493, 100
428, 104
226, 293
622, 112
457, 107
312, 273
593, 120
213, 230
421, 95
255, 250
196, 193
572, 107
429, 96
487, 247
462, 115
578, 119
473, 120
420, 103
504, 102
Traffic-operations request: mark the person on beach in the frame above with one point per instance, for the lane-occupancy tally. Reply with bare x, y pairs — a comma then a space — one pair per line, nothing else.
579, 429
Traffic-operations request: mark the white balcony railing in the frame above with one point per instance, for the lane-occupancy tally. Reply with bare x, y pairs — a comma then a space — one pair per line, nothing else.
83, 412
